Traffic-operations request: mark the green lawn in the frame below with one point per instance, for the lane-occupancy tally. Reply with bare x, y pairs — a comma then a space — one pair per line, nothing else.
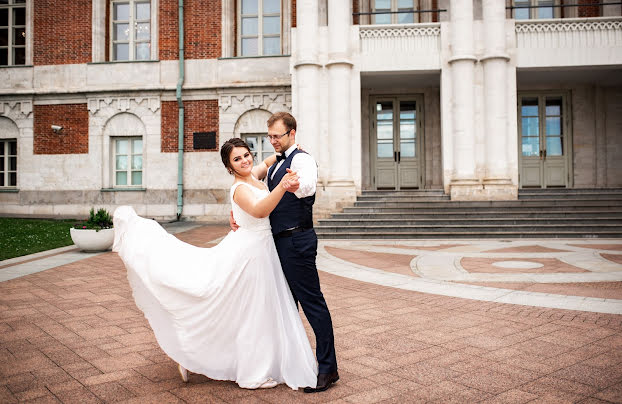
27, 236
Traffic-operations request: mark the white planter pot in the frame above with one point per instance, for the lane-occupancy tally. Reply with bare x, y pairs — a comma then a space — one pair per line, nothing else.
92, 240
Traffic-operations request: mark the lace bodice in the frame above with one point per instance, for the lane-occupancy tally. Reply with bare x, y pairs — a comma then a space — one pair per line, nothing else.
245, 220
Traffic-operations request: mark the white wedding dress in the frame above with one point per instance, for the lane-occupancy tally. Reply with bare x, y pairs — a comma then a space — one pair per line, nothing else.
225, 312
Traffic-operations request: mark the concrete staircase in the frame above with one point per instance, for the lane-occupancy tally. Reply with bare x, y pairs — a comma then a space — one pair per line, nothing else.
546, 213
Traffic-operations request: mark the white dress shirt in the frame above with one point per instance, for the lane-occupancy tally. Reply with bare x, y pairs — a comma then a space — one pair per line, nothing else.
306, 168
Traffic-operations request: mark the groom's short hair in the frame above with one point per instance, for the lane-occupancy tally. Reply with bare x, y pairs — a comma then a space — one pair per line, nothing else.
288, 120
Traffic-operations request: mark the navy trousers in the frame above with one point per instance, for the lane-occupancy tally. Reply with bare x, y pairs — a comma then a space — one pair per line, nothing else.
297, 255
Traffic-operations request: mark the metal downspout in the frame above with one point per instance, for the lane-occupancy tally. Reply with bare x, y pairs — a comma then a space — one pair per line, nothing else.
180, 105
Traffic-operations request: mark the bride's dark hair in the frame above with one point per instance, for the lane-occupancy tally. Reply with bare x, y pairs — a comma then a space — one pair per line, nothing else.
227, 148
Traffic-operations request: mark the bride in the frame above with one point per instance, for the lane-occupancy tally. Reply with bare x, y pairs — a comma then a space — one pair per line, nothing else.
225, 312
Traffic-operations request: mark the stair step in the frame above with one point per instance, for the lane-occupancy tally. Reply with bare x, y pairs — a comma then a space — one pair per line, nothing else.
469, 235
600, 221
443, 215
546, 213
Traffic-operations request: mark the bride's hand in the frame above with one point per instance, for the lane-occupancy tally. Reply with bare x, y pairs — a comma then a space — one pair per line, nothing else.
299, 147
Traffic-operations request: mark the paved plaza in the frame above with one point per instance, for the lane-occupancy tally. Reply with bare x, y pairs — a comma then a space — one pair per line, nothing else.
494, 321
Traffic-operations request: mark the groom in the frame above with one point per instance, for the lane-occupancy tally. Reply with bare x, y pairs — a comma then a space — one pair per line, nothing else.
296, 241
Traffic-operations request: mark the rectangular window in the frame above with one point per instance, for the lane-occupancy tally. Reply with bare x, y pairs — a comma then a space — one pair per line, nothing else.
260, 146
128, 161
536, 9
259, 25
8, 163
12, 32
130, 28
397, 11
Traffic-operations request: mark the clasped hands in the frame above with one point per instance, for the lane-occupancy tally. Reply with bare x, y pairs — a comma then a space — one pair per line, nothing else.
290, 181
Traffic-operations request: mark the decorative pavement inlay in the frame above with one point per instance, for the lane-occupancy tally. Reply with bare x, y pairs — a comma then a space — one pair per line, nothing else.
466, 270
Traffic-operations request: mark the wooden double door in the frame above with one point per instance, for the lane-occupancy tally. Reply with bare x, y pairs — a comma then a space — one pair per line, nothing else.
397, 142
543, 128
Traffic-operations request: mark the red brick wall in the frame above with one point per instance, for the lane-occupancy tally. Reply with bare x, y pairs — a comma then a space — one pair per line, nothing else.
199, 116
62, 32
72, 139
202, 29
168, 30
589, 11
293, 13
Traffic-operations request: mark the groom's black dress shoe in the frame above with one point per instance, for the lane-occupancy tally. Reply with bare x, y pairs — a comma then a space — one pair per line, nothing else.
324, 380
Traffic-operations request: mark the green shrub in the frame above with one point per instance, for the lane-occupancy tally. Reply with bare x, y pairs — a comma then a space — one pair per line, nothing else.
96, 221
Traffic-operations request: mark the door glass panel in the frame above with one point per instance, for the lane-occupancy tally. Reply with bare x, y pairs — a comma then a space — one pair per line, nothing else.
408, 113
384, 135
530, 127
554, 146
531, 146
554, 127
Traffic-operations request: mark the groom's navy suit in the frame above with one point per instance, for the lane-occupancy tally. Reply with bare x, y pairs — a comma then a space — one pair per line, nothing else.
296, 244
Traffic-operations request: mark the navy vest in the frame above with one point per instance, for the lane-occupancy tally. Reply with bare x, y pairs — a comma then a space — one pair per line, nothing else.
291, 211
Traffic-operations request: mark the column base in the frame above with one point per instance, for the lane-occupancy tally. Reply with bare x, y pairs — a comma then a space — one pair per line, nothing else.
489, 190
332, 199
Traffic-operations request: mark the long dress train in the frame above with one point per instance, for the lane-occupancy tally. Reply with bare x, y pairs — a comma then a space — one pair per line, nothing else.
225, 312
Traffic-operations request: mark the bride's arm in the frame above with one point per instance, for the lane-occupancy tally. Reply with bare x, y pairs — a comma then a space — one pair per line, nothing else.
245, 198
261, 170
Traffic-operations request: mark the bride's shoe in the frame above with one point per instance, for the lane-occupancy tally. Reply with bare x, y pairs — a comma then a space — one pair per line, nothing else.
268, 384
183, 372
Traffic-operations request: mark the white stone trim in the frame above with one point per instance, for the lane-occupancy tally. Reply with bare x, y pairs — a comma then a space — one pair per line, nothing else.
15, 110
245, 102
567, 25
399, 31
121, 104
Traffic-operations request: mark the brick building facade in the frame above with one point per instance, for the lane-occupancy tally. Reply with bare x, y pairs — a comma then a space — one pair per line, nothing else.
526, 95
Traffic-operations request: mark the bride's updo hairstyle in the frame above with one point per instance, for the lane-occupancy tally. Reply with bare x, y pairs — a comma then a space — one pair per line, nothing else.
227, 148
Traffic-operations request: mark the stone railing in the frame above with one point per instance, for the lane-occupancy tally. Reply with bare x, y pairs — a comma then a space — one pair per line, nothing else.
572, 42
396, 47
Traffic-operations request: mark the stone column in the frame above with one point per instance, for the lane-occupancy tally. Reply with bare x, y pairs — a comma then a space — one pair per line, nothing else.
339, 73
497, 183
306, 68
464, 184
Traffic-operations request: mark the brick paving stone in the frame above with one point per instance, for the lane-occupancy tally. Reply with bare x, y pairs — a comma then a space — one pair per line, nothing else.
396, 263
612, 394
74, 332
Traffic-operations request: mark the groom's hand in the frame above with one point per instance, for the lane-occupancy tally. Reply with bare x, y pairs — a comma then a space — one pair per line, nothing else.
292, 184
232, 223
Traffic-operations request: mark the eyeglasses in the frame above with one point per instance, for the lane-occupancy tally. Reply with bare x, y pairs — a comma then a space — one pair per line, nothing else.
277, 137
